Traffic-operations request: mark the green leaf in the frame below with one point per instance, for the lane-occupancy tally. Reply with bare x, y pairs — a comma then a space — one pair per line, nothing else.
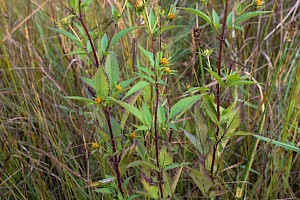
103, 43
148, 54
68, 35
176, 179
119, 35
161, 115
199, 13
165, 28
233, 120
88, 81
202, 179
80, 99
184, 104
152, 190
147, 115
126, 158
229, 20
103, 191
248, 15
280, 144
142, 163
194, 141
112, 70
140, 85
164, 158
216, 19
133, 110
101, 84
77, 51
152, 19
216, 76
176, 165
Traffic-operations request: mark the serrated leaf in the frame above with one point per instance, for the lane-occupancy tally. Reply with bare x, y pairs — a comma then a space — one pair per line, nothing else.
126, 158
202, 179
133, 110
112, 70
248, 15
216, 76
152, 190
147, 115
103, 43
176, 179
184, 104
164, 158
161, 115
140, 85
233, 120
199, 13
101, 84
68, 35
119, 35
80, 99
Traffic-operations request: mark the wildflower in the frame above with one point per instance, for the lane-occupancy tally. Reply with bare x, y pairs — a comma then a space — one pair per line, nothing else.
257, 3
187, 86
207, 52
139, 5
167, 70
171, 17
118, 87
95, 145
98, 100
163, 61
132, 135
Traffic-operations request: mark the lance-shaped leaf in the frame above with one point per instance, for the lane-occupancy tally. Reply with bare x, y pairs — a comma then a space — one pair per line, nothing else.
119, 35
199, 13
248, 15
140, 85
133, 110
183, 105
112, 70
68, 35
101, 83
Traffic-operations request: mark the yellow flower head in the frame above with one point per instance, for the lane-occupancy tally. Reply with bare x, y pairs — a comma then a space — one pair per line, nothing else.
118, 87
167, 70
95, 145
257, 3
171, 17
139, 5
163, 61
98, 100
132, 135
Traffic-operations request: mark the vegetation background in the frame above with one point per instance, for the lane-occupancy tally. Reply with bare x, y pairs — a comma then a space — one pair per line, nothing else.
55, 148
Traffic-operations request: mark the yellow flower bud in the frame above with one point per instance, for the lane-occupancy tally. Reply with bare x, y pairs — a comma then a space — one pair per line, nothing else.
171, 17
132, 135
95, 145
163, 61
98, 100
118, 87
167, 70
